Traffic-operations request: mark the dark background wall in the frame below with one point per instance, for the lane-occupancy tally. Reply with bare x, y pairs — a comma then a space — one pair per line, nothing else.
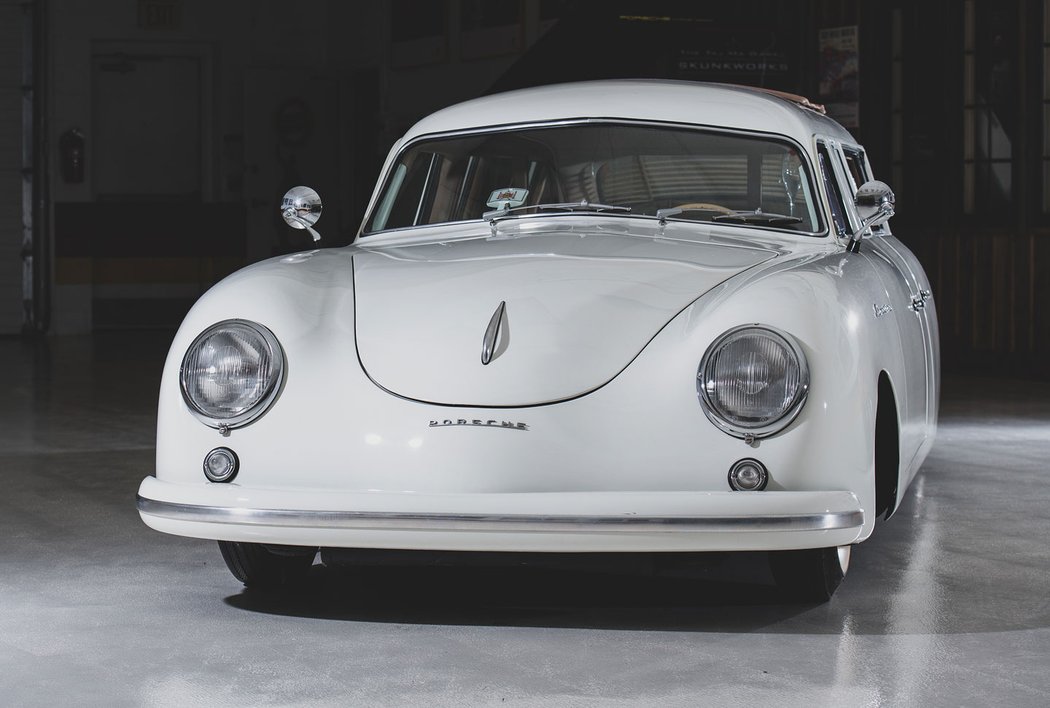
146, 143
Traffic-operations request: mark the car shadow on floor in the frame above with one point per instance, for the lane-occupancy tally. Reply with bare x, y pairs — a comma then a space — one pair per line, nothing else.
701, 592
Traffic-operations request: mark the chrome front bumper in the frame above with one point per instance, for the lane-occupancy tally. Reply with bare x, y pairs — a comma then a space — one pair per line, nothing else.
826, 521
569, 521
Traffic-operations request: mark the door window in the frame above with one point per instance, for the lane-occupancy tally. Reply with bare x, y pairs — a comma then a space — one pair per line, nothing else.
831, 187
854, 160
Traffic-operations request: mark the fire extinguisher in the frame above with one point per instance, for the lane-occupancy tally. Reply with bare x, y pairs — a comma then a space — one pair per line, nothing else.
71, 150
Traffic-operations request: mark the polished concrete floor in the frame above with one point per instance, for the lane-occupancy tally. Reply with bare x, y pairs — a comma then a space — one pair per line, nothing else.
948, 605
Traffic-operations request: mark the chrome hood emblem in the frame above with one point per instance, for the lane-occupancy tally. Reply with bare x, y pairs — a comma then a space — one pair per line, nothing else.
488, 344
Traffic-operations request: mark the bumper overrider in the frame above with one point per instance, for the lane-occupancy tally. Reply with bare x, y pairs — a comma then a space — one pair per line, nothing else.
520, 521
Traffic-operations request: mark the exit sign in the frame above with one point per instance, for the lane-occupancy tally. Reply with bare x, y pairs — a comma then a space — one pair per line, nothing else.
160, 14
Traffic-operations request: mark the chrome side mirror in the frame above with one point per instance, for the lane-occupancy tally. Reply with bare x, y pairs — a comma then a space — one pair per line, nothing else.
875, 205
301, 209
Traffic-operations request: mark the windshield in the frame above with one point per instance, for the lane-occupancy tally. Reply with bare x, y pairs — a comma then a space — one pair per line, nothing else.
709, 176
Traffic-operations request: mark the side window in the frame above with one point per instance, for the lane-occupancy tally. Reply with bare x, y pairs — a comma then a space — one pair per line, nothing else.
855, 167
831, 188
403, 204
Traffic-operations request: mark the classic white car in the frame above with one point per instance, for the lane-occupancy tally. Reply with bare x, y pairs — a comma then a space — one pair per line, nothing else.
630, 316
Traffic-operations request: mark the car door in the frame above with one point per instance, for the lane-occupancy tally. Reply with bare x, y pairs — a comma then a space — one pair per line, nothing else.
906, 261
911, 299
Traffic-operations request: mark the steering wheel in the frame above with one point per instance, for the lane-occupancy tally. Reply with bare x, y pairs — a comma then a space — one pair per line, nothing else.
705, 206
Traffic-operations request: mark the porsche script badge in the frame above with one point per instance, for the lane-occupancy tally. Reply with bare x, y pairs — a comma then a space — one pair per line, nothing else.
509, 425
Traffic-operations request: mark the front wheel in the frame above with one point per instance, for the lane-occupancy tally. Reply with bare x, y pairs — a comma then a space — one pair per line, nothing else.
257, 565
812, 574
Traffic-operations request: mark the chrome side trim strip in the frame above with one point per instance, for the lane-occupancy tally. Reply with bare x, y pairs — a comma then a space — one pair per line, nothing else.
824, 521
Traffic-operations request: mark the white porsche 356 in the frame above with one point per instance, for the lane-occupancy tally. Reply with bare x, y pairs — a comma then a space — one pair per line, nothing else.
627, 316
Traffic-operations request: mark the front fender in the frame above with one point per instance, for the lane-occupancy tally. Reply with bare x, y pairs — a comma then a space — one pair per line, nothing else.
826, 302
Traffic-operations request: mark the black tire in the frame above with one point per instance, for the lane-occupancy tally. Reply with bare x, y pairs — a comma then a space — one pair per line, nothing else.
810, 575
259, 566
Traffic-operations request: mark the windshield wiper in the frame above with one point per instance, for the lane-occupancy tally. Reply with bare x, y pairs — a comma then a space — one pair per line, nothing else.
757, 217
582, 205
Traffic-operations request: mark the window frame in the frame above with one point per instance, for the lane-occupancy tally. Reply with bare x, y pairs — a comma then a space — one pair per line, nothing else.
831, 148
823, 229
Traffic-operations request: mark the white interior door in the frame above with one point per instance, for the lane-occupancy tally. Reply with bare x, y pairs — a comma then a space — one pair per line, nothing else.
147, 127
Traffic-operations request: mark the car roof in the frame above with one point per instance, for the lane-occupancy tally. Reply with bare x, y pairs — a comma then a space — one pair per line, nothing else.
689, 102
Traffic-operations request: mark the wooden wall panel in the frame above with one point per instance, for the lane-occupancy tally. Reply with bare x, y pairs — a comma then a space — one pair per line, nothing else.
992, 288
1040, 300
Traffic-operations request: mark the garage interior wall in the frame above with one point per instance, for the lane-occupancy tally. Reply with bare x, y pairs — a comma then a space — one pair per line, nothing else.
318, 95
15, 208
969, 143
259, 99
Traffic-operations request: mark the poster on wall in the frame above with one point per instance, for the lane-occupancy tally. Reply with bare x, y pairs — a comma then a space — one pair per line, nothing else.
839, 69
752, 57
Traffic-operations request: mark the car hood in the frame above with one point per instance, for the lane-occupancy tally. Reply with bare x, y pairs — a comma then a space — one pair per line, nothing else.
579, 307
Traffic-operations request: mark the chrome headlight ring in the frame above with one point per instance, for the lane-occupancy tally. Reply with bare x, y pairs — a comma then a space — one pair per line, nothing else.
793, 380
258, 389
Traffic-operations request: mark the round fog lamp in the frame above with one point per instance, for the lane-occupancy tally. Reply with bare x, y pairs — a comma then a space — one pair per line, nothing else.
748, 475
220, 465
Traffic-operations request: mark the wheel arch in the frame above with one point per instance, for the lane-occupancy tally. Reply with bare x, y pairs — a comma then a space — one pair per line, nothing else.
887, 448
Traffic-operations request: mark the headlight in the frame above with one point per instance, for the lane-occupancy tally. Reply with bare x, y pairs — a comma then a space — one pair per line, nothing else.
753, 381
231, 373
